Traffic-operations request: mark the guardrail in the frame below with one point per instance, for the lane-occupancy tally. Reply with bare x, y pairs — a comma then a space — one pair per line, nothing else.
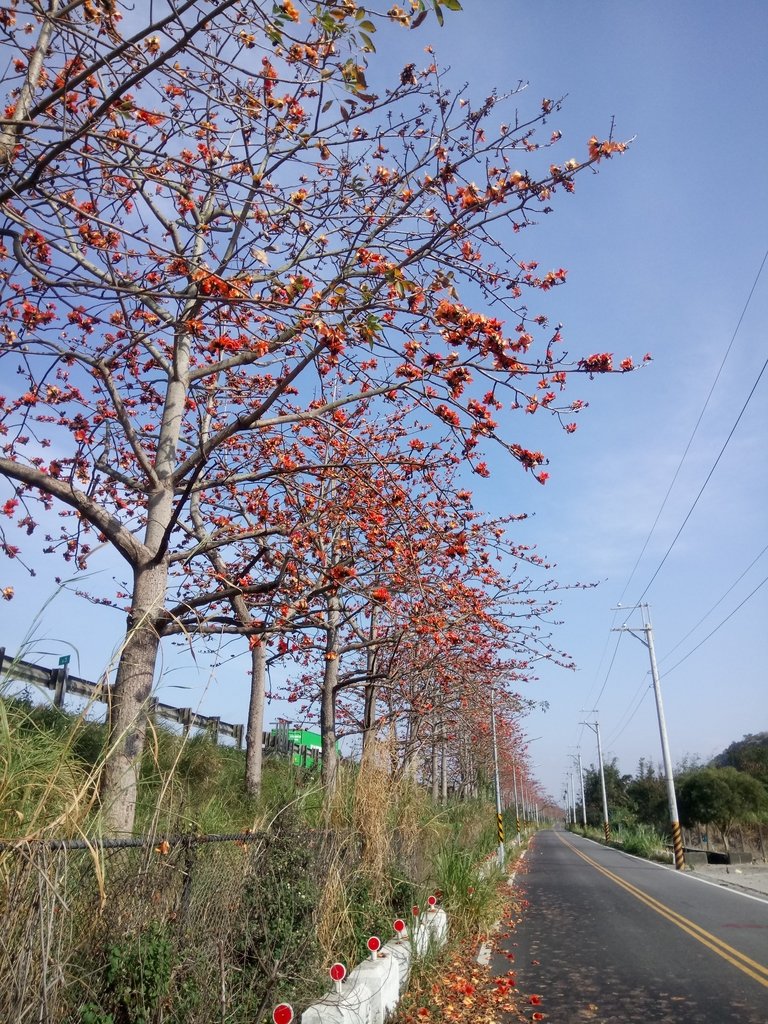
59, 680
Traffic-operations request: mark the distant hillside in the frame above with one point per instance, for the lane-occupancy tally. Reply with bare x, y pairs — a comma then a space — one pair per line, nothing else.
749, 754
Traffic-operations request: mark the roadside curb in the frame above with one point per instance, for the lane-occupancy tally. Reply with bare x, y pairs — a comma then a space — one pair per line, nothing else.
486, 947
734, 887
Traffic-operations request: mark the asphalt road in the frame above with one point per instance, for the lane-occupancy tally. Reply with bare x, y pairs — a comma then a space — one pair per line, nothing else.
605, 937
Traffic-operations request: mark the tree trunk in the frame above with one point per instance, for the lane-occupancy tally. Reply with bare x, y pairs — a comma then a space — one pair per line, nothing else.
411, 749
369, 715
129, 700
255, 729
394, 761
443, 770
136, 671
435, 767
328, 700
369, 712
13, 126
724, 834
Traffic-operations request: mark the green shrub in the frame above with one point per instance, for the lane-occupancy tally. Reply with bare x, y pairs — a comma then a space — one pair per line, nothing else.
138, 975
642, 840
468, 893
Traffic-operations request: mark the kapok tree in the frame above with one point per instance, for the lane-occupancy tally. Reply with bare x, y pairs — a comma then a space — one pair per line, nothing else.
313, 538
201, 225
468, 633
358, 507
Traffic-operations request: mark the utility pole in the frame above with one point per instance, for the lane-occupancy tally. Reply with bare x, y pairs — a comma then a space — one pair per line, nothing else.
647, 641
595, 727
499, 818
517, 802
581, 779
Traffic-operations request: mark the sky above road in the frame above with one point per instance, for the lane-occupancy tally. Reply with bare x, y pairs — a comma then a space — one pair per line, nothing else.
664, 249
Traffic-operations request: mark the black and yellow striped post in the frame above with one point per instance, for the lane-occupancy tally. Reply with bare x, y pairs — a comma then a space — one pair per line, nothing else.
501, 852
677, 846
607, 830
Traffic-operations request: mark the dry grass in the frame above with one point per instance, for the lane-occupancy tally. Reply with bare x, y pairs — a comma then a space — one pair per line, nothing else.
373, 799
334, 922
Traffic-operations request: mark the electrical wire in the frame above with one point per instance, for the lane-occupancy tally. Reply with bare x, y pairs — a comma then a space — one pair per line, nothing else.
589, 702
706, 481
619, 727
690, 512
706, 615
644, 689
608, 673
596, 703
718, 626
637, 708
696, 427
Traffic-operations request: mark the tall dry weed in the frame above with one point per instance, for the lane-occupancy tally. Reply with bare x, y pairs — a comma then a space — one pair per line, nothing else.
372, 806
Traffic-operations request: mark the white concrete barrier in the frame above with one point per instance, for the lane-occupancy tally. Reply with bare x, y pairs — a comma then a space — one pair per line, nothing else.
401, 951
437, 922
372, 990
382, 978
353, 1005
420, 938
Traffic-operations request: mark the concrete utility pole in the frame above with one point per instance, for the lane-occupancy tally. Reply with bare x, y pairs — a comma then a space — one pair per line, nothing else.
583, 801
647, 641
499, 818
595, 727
517, 802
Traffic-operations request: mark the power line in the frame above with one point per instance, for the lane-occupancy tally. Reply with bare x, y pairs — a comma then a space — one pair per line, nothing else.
718, 602
690, 512
718, 626
629, 705
645, 689
706, 481
695, 428
608, 673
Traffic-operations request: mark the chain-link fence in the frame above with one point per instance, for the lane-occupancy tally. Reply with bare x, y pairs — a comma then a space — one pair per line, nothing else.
183, 929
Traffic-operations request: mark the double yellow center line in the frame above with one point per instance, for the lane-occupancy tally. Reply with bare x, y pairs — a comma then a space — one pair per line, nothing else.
748, 966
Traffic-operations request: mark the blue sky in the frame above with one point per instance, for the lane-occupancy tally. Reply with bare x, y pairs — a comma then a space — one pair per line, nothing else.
662, 249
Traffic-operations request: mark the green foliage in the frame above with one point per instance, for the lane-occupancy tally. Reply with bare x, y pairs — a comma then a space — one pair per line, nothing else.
619, 804
642, 841
647, 794
43, 782
91, 1013
159, 950
720, 796
276, 948
467, 893
749, 755
138, 975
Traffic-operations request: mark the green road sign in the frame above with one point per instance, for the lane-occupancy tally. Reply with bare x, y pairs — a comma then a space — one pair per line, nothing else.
64, 659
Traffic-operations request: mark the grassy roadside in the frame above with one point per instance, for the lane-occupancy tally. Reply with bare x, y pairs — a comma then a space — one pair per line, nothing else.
639, 839
188, 933
451, 986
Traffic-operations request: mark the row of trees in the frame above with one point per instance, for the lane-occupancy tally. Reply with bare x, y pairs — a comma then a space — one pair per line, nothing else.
246, 283
718, 793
